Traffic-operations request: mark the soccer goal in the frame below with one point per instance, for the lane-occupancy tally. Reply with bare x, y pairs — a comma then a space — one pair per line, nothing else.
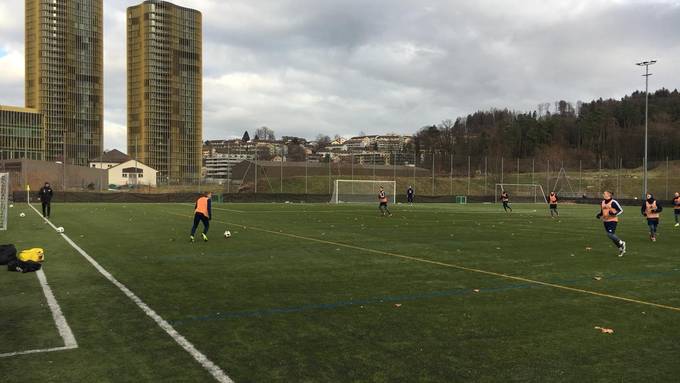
362, 191
525, 192
4, 200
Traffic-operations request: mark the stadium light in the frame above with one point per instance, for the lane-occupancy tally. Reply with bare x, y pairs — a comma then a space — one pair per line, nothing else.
646, 64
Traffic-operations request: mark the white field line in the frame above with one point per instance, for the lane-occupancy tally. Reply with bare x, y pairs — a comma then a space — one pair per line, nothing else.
59, 320
203, 360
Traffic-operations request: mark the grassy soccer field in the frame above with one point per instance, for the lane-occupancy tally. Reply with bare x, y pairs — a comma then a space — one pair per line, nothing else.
323, 293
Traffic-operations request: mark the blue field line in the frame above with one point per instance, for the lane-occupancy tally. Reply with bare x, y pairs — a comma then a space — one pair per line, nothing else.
398, 298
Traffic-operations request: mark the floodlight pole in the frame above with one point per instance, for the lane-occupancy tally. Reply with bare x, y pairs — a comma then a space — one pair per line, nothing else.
646, 64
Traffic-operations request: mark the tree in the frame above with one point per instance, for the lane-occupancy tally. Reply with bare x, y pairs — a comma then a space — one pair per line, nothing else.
322, 141
266, 134
246, 137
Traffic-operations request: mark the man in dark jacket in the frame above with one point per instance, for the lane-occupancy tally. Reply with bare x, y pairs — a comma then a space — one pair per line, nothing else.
45, 196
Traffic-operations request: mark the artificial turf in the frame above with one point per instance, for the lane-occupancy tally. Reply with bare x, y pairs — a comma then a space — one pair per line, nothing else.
326, 293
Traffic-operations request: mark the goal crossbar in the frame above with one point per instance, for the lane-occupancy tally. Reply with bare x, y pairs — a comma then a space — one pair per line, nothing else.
535, 191
362, 191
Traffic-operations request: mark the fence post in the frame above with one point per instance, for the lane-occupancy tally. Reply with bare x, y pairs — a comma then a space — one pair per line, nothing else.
486, 175
451, 174
433, 172
469, 178
580, 177
547, 176
667, 195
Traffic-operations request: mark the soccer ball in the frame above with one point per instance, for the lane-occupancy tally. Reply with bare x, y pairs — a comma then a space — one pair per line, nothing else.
11, 205
227, 234
22, 215
60, 229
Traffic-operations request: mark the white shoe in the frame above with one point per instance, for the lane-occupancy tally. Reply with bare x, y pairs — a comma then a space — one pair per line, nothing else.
622, 249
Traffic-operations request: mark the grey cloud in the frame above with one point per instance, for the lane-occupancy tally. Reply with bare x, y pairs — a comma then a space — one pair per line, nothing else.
304, 67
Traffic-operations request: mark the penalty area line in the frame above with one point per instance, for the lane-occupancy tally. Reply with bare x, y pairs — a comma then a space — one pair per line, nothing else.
203, 360
454, 266
59, 320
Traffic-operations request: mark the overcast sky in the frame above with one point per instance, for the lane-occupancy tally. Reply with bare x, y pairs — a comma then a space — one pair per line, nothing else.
304, 67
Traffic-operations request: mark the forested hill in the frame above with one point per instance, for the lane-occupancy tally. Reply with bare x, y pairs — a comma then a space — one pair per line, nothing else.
601, 129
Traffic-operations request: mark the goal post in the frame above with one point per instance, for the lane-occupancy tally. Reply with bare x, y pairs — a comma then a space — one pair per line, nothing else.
4, 200
524, 191
362, 191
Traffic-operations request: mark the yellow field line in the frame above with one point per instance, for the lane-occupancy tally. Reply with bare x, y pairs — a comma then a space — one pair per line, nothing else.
450, 265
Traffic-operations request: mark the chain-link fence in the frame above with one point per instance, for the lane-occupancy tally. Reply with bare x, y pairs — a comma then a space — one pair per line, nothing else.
429, 175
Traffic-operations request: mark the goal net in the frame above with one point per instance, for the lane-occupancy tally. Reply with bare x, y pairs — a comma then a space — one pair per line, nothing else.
362, 191
4, 199
521, 192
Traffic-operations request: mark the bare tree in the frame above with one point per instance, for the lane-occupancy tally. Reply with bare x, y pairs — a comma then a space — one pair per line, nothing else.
266, 134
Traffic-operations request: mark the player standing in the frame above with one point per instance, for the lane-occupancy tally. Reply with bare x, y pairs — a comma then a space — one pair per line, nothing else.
45, 196
609, 213
202, 213
382, 197
651, 209
505, 198
552, 198
676, 209
410, 194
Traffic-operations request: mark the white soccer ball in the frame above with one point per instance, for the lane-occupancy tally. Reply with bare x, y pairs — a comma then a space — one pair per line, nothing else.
227, 234
11, 205
22, 215
60, 229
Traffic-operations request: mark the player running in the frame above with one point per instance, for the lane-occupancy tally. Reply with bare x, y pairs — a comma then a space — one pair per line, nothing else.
202, 213
651, 209
505, 198
609, 213
382, 197
552, 199
676, 209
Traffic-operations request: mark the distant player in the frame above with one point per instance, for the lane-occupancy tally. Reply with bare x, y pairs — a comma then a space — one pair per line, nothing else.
382, 197
505, 198
202, 213
676, 209
45, 196
609, 213
410, 194
651, 209
552, 199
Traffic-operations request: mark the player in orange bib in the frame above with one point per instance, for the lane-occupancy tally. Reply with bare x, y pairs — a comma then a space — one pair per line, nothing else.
609, 214
505, 198
676, 209
382, 197
552, 200
651, 209
202, 213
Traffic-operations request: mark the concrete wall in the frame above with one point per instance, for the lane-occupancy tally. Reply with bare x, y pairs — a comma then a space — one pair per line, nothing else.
36, 173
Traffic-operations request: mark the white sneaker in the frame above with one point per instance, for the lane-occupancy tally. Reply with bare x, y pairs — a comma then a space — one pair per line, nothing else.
622, 249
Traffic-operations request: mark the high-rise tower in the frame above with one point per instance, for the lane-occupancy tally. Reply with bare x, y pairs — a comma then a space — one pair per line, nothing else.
164, 88
64, 75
